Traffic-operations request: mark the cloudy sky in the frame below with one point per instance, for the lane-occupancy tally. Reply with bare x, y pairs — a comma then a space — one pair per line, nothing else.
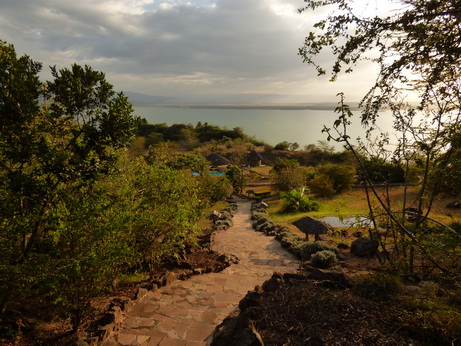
197, 49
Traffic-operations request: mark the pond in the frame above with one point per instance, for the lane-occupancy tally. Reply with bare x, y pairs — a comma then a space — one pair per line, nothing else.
355, 221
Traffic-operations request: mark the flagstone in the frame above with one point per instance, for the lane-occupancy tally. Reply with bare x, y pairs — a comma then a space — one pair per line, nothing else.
186, 312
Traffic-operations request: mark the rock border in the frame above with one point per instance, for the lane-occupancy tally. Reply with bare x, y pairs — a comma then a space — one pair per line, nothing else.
111, 321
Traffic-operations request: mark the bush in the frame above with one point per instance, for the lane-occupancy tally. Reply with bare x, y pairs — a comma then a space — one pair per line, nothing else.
322, 186
341, 176
324, 259
305, 250
296, 201
378, 286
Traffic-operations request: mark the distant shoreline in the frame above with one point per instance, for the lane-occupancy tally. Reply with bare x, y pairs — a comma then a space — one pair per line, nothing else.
291, 106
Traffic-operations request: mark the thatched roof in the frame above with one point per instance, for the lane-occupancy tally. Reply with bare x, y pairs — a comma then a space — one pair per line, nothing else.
254, 156
217, 160
309, 225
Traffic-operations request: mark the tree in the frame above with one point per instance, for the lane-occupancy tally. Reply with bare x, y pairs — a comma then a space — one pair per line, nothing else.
52, 157
287, 174
416, 48
282, 146
341, 176
236, 177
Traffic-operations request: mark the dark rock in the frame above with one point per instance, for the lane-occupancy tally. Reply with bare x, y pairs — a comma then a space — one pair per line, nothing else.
251, 299
358, 234
343, 246
236, 330
272, 284
339, 278
453, 205
364, 247
169, 278
119, 302
228, 259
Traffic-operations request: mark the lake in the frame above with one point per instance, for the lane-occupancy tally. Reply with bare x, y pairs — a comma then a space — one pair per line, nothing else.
303, 126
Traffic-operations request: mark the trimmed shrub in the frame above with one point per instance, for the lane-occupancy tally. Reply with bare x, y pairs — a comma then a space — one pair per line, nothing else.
305, 250
324, 259
378, 286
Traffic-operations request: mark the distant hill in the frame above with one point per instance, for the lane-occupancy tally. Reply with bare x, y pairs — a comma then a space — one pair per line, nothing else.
234, 101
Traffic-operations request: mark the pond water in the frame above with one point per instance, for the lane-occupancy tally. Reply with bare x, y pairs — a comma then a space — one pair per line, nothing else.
355, 221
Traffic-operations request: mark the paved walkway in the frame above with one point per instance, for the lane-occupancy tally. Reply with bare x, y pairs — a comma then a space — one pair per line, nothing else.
187, 312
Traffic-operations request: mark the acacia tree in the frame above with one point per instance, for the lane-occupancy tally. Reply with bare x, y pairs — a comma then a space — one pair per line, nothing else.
417, 48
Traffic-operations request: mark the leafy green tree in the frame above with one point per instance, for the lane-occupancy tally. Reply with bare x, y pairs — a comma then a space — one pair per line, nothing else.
322, 186
287, 174
282, 146
49, 156
191, 162
341, 176
236, 177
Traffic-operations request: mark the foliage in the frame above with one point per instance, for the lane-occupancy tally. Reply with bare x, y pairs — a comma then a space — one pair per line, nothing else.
287, 174
236, 177
296, 201
76, 212
305, 250
282, 146
324, 259
191, 162
415, 47
322, 186
188, 133
54, 208
381, 171
379, 286
341, 176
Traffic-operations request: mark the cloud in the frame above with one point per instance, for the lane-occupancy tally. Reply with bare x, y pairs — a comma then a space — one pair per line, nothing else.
171, 46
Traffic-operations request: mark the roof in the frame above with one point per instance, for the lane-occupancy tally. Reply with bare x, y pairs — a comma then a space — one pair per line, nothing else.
217, 160
310, 225
254, 156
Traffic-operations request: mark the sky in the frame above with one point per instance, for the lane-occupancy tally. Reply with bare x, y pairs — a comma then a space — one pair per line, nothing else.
202, 50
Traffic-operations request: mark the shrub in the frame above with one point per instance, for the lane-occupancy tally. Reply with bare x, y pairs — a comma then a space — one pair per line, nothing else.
324, 259
322, 186
378, 286
305, 250
260, 221
263, 226
294, 201
341, 176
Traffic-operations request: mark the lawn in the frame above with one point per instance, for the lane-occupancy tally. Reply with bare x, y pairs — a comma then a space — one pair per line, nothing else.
354, 203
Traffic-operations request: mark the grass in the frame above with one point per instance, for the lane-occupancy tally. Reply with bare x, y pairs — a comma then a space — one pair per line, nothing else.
354, 202
348, 204
204, 222
262, 170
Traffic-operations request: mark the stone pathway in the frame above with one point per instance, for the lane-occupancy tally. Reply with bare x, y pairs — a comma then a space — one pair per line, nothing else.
186, 312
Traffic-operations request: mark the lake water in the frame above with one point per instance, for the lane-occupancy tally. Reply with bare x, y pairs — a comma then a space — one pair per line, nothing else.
269, 125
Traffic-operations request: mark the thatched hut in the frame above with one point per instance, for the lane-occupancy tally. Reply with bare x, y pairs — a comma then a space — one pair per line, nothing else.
309, 225
254, 159
217, 160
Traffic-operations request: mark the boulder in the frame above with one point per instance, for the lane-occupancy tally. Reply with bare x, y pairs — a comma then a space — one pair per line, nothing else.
364, 247
337, 278
236, 330
453, 205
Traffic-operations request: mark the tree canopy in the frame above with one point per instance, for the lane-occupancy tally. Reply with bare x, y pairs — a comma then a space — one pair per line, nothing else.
417, 47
